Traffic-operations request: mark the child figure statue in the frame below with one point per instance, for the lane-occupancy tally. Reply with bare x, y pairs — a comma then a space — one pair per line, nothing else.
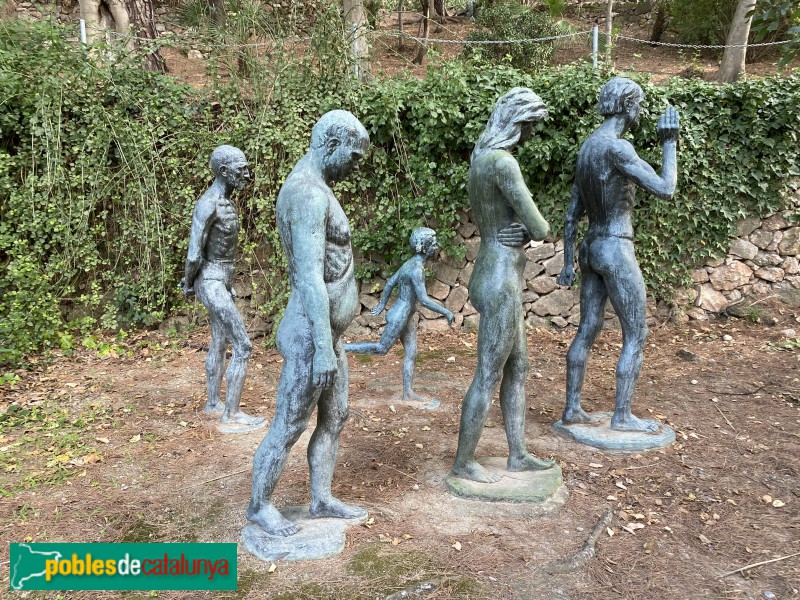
400, 325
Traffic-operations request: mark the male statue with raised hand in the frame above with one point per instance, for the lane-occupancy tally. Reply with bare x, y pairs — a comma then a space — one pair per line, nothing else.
209, 274
323, 301
606, 175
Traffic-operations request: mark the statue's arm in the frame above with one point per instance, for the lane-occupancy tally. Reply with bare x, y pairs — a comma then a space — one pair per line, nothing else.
387, 291
634, 168
307, 219
512, 186
202, 219
418, 281
573, 217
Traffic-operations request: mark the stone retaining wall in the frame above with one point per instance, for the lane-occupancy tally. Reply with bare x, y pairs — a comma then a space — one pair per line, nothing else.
763, 260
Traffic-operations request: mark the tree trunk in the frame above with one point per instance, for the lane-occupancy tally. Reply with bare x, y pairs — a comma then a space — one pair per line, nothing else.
660, 22
140, 13
355, 19
427, 12
219, 12
400, 24
732, 65
609, 23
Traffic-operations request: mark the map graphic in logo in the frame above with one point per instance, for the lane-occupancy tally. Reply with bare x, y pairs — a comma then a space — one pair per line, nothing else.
29, 564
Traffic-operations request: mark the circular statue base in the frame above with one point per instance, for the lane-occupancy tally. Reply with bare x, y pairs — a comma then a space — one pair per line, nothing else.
517, 487
240, 427
317, 538
599, 434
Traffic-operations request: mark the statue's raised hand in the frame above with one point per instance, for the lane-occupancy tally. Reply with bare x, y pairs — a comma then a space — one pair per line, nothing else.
668, 125
514, 235
324, 368
378, 309
450, 317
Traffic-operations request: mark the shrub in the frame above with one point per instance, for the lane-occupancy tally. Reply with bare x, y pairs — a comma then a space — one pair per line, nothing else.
100, 167
510, 20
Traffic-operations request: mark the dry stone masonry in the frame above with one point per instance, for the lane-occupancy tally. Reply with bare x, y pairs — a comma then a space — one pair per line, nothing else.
762, 260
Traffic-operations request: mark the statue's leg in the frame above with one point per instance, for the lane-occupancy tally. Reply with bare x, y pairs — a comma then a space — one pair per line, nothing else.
295, 402
215, 359
512, 403
495, 341
323, 447
395, 323
234, 330
593, 304
409, 341
627, 292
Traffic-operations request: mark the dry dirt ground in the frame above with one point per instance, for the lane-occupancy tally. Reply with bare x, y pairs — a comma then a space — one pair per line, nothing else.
110, 445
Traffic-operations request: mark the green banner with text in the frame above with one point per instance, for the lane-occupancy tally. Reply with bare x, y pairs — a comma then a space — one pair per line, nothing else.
46, 566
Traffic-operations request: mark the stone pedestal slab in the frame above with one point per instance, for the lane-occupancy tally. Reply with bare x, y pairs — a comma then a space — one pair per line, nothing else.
317, 538
599, 434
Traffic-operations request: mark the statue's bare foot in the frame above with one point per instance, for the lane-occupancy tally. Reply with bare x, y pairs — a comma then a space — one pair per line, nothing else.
333, 507
242, 418
216, 408
475, 472
424, 402
631, 423
271, 521
575, 415
529, 462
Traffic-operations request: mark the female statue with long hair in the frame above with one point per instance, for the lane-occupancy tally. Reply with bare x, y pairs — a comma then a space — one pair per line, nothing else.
507, 218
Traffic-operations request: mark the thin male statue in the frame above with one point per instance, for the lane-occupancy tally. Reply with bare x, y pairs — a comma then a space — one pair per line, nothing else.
209, 273
322, 302
507, 219
606, 175
400, 324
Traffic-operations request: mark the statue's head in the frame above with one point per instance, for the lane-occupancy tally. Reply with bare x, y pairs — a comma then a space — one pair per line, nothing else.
341, 141
512, 121
621, 96
423, 241
230, 164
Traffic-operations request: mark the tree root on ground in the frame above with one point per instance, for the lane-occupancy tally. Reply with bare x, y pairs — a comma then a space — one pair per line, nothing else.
587, 552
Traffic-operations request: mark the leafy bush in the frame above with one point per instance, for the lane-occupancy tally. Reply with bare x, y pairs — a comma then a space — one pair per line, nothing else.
510, 20
702, 21
100, 167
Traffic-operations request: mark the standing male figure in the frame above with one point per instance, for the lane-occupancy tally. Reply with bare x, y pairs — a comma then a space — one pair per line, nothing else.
323, 301
606, 176
507, 219
209, 273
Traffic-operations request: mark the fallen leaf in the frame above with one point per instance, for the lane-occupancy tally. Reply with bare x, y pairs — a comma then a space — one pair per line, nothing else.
703, 539
767, 499
91, 459
595, 465
621, 485
135, 438
102, 440
778, 503
610, 532
272, 568
457, 546
392, 408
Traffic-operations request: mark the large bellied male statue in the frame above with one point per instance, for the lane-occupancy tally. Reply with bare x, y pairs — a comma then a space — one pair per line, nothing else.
323, 301
209, 273
507, 219
606, 176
